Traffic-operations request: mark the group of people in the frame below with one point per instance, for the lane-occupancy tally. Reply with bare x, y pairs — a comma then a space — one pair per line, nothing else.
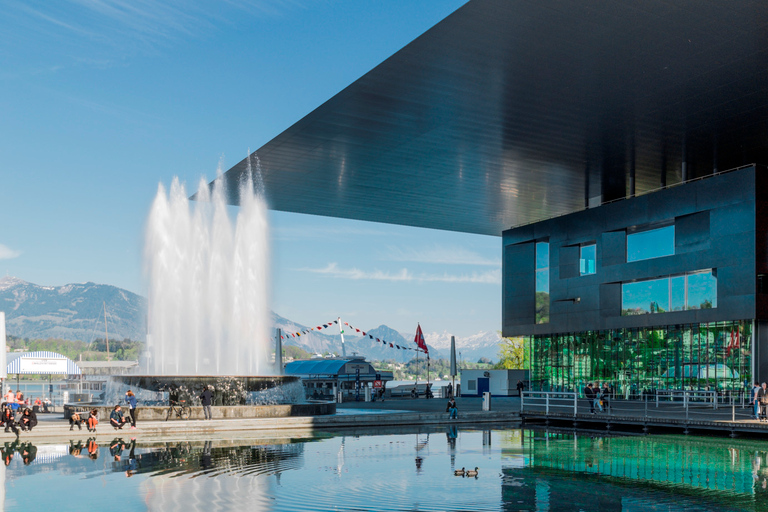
14, 421
758, 398
597, 397
15, 413
116, 418
78, 418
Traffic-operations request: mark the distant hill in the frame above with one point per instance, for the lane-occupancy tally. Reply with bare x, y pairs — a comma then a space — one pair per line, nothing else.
75, 312
71, 312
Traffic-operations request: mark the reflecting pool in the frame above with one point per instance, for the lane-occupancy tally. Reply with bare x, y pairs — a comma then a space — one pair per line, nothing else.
399, 469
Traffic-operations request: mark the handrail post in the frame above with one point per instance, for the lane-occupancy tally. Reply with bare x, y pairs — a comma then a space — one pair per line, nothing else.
657, 398
733, 412
522, 401
547, 404
575, 404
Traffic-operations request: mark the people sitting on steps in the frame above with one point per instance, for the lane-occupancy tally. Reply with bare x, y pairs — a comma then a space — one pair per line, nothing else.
8, 418
28, 420
93, 420
116, 418
76, 419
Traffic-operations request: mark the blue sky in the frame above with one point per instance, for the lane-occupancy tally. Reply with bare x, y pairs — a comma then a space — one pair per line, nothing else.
101, 100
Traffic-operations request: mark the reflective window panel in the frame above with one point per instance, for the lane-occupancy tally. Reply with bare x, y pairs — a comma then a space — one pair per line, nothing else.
653, 243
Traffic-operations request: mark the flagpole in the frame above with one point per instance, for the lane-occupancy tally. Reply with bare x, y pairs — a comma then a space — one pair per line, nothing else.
341, 333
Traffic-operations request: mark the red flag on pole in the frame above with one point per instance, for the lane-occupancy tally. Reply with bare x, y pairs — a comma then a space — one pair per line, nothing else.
419, 339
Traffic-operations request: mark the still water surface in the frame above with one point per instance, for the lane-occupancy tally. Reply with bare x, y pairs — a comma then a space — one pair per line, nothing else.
401, 470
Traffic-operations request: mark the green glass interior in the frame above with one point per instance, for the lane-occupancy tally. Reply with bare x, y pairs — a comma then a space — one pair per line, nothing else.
714, 356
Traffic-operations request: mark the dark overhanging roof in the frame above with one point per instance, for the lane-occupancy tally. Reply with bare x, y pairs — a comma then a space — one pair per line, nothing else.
508, 112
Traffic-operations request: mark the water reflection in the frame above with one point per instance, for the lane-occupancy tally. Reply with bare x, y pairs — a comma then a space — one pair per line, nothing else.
401, 470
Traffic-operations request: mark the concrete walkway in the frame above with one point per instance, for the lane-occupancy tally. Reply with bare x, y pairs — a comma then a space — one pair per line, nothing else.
370, 416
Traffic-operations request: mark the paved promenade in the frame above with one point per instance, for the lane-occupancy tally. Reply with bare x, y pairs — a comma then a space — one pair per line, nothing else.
367, 416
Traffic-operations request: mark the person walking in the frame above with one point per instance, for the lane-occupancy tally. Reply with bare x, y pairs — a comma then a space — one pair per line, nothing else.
762, 399
520, 388
598, 397
206, 397
451, 409
131, 399
589, 394
754, 401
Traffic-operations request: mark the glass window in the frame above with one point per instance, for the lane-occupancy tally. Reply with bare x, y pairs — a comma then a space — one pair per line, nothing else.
653, 243
587, 259
694, 290
542, 283
677, 293
702, 290
643, 297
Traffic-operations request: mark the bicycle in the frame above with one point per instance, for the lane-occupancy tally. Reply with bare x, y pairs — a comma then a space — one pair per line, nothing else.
181, 409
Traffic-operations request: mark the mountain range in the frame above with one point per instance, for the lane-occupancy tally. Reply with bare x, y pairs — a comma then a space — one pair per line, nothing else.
76, 312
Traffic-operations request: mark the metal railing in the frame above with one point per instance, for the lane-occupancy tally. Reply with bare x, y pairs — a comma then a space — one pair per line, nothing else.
687, 396
550, 399
673, 404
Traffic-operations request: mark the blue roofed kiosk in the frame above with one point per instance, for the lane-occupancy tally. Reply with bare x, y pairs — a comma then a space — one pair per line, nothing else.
330, 378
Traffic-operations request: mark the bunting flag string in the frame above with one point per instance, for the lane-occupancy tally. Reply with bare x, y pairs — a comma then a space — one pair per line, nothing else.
299, 334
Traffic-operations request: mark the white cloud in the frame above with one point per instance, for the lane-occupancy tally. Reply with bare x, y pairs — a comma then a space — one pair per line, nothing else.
437, 254
333, 270
6, 253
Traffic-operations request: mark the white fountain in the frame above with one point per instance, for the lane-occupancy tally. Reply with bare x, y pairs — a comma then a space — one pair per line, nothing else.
208, 281
208, 310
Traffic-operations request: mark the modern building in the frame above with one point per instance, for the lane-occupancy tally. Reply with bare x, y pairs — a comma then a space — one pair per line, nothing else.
596, 138
661, 291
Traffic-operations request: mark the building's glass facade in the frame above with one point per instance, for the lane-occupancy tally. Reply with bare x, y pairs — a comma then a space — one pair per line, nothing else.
715, 356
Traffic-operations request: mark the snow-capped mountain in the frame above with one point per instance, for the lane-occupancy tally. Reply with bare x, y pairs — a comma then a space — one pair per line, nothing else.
472, 348
76, 312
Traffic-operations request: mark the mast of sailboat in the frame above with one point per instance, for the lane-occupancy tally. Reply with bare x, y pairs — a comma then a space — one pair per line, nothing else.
106, 334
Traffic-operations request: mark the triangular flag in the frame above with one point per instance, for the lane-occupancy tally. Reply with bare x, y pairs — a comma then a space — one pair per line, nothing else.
419, 340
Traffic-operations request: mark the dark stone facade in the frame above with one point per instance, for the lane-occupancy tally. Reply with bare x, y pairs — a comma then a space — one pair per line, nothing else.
720, 223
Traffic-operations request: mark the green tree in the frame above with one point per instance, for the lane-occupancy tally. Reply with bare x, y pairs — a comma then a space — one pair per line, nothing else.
542, 307
512, 354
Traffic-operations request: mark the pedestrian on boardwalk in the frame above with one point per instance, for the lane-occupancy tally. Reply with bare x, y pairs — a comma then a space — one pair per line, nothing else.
451, 409
589, 394
131, 399
753, 400
762, 401
598, 397
206, 397
520, 388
